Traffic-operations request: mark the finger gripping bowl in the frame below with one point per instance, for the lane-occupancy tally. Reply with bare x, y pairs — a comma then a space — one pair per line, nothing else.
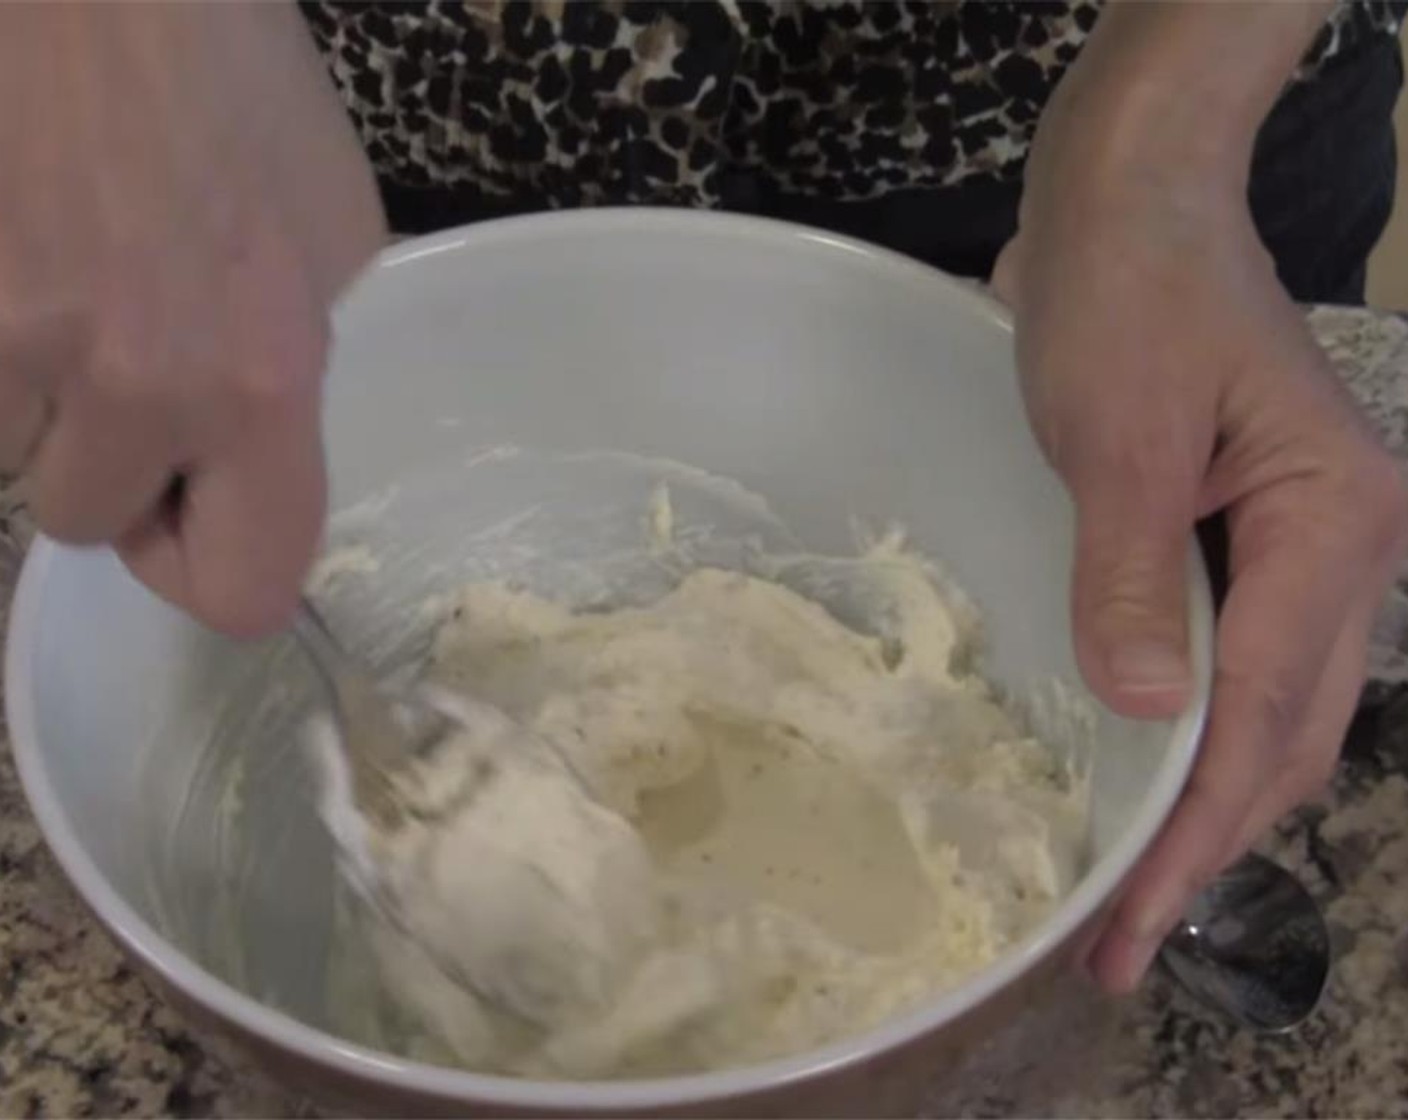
835, 379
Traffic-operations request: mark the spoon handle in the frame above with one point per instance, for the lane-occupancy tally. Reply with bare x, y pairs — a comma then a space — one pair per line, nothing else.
323, 649
369, 735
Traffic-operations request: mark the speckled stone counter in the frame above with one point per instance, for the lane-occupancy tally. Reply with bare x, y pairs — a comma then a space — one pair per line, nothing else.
80, 1034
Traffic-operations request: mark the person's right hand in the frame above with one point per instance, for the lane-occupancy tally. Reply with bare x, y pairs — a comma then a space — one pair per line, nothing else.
182, 199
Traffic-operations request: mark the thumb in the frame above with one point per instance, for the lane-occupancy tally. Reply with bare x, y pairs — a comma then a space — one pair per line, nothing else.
1129, 597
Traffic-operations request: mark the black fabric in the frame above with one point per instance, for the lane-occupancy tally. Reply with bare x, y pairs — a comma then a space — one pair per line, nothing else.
1324, 171
958, 229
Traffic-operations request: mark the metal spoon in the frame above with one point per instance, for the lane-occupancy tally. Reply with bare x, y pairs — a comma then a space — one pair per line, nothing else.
1253, 945
380, 731
383, 729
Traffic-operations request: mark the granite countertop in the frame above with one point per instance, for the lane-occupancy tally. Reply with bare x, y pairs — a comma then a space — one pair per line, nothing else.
80, 1033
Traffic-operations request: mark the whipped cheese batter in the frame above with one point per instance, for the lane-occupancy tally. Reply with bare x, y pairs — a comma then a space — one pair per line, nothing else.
727, 828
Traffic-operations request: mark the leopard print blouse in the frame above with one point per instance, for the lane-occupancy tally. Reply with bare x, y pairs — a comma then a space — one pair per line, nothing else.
575, 102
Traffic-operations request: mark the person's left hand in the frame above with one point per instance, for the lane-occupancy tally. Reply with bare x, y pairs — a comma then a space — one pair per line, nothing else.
1167, 376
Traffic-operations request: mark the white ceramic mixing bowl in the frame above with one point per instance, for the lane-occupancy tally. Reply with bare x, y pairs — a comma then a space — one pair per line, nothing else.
837, 380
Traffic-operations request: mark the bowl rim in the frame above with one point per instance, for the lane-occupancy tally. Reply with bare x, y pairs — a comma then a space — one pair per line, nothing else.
323, 1049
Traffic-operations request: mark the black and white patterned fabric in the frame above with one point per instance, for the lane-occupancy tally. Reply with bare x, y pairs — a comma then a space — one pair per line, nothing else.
575, 102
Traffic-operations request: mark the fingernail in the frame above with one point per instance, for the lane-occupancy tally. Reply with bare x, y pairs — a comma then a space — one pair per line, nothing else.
1149, 667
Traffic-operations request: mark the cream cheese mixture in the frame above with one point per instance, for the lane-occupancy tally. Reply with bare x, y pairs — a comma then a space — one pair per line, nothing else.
757, 830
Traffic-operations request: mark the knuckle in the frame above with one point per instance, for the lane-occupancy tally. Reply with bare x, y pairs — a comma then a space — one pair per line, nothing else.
282, 373
1132, 572
66, 520
1279, 705
123, 380
43, 341
1216, 810
1130, 612
1132, 585
1274, 701
128, 364
1311, 777
1384, 493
